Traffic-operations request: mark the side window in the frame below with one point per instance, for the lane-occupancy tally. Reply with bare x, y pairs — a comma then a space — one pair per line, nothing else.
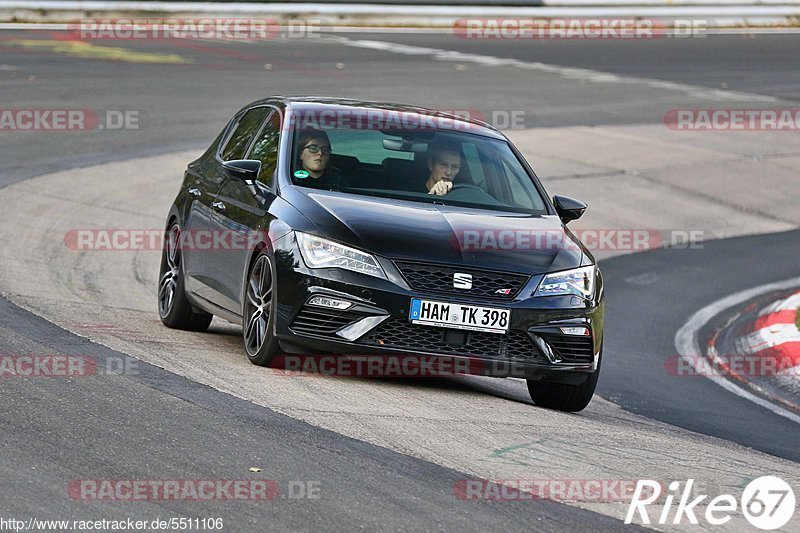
243, 134
266, 148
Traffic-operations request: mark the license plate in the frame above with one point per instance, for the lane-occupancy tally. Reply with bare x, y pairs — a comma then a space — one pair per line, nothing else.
458, 316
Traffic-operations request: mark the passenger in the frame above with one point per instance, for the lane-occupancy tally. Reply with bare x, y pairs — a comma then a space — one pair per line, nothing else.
314, 156
444, 164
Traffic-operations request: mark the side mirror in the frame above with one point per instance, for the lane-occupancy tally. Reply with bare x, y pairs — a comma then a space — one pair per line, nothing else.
569, 208
245, 170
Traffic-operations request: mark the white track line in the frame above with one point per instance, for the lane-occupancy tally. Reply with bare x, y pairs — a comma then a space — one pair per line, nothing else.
582, 74
688, 345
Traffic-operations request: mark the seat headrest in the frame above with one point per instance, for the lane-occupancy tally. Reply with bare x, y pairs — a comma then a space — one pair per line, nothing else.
348, 163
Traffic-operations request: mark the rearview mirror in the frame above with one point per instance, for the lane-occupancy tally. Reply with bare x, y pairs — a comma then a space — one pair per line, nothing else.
405, 145
242, 169
568, 208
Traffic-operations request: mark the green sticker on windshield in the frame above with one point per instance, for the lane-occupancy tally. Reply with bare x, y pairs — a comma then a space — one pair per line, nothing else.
300, 174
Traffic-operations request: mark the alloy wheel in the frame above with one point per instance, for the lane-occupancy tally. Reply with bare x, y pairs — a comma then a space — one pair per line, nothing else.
168, 283
258, 305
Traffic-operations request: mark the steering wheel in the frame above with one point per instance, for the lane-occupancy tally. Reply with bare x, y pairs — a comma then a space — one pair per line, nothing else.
465, 186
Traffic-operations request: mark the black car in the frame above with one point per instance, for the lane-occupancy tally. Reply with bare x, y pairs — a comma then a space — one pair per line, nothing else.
333, 226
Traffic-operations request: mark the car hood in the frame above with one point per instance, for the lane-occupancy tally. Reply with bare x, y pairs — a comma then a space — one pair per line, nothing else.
403, 230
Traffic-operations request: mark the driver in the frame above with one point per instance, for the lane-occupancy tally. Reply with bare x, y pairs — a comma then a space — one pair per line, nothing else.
444, 163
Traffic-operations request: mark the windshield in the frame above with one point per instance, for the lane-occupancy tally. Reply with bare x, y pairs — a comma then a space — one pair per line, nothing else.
433, 166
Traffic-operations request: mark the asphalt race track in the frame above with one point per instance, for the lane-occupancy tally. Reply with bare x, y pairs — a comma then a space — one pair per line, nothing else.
383, 454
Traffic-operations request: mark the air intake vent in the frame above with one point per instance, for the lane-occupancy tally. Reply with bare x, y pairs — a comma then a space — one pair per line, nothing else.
430, 278
402, 335
571, 348
321, 321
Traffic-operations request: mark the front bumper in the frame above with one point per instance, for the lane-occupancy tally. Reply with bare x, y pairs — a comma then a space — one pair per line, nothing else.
377, 324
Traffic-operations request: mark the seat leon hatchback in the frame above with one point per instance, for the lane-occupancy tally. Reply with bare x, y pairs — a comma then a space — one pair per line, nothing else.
371, 231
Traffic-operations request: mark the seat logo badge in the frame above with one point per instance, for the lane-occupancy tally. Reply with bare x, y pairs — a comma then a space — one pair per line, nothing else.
462, 281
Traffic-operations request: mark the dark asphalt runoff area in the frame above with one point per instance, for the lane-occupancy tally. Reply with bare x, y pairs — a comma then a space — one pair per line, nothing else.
155, 423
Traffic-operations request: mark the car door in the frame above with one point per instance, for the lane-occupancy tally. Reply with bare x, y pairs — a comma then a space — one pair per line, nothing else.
240, 209
204, 180
199, 244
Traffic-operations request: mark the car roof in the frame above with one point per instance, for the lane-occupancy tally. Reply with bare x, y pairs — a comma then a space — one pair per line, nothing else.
306, 104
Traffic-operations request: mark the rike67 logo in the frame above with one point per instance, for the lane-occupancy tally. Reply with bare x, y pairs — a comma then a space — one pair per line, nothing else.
767, 502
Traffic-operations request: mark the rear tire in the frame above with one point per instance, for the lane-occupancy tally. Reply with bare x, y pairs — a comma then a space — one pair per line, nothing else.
562, 396
174, 309
258, 312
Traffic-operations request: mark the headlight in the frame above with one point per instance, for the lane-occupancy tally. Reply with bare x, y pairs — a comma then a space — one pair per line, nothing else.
579, 282
322, 253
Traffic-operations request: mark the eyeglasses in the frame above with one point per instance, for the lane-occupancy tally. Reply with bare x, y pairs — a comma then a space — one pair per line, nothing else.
315, 149
455, 167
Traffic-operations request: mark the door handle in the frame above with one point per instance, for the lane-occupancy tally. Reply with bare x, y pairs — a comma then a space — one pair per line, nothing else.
218, 205
194, 191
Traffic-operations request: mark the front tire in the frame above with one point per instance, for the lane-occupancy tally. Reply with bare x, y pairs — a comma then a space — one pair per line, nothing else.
562, 396
174, 309
258, 311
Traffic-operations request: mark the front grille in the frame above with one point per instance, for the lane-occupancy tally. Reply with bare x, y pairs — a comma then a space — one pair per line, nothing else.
322, 321
571, 348
400, 334
439, 279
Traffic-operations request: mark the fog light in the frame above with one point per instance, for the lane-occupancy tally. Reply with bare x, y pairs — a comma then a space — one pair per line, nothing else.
330, 303
584, 332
